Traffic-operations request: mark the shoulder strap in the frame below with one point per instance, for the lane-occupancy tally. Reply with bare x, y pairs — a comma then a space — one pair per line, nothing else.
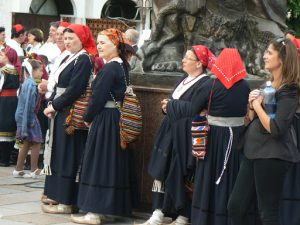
210, 97
124, 74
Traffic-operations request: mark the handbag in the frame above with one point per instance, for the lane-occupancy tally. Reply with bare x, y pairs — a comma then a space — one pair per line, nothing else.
200, 131
131, 115
75, 118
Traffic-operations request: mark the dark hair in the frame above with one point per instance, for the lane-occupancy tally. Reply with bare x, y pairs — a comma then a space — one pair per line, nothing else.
2, 29
54, 24
35, 63
288, 53
68, 30
37, 33
292, 32
15, 34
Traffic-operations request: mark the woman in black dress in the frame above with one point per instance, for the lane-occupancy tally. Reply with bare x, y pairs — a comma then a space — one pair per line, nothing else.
172, 162
105, 186
67, 149
269, 147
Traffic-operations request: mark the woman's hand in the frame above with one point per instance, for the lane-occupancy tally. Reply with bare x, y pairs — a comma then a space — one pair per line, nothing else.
49, 112
252, 96
42, 87
164, 104
87, 124
257, 102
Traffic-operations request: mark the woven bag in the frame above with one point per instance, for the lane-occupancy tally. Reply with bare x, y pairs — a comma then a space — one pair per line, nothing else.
131, 116
75, 118
200, 131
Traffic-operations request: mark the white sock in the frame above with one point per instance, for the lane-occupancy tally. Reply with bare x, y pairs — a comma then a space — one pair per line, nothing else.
157, 217
181, 220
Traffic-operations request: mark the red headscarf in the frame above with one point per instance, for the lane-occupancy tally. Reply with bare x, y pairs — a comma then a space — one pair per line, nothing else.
229, 67
13, 58
114, 35
64, 24
297, 43
85, 35
18, 27
205, 56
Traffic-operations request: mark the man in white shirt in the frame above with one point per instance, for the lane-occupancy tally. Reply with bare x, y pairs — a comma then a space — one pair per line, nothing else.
48, 86
50, 49
18, 35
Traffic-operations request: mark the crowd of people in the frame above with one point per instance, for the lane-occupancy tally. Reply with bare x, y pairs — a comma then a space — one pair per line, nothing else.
248, 172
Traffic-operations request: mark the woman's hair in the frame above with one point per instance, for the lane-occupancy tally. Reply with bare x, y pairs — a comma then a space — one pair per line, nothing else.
37, 33
290, 60
35, 64
68, 30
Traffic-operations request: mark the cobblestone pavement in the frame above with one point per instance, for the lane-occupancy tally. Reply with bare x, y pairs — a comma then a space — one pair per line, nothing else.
20, 204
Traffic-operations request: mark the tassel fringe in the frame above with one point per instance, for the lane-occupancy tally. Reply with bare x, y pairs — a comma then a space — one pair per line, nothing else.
158, 186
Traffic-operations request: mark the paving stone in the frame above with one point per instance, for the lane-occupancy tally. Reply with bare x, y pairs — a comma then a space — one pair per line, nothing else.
9, 222
9, 212
28, 207
37, 219
20, 197
4, 190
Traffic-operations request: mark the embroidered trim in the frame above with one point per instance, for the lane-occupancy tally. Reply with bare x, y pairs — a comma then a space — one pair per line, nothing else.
224, 75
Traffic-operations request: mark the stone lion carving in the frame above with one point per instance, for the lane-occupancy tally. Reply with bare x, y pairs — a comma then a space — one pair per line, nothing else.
179, 24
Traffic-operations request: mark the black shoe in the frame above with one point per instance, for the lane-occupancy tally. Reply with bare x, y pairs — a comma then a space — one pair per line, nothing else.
4, 164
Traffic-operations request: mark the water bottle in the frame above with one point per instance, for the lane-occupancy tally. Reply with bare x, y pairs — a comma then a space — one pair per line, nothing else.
269, 100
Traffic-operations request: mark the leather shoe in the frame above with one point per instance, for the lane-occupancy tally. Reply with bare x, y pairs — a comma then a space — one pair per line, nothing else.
58, 209
48, 201
89, 218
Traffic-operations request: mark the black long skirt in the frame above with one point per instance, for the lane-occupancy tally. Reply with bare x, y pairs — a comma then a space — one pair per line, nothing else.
209, 205
105, 182
290, 203
66, 158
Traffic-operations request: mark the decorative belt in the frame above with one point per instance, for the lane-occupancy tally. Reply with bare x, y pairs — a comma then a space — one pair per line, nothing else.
110, 104
226, 121
8, 93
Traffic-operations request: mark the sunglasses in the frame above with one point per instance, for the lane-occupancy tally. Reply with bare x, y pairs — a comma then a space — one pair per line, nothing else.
281, 40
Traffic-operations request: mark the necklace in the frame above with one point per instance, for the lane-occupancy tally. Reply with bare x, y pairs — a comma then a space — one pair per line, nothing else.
189, 80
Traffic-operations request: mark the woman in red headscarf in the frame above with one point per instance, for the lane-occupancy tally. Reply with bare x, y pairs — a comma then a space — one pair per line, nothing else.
9, 83
105, 179
63, 154
172, 163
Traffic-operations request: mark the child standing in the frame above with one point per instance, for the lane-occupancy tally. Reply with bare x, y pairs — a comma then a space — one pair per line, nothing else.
28, 127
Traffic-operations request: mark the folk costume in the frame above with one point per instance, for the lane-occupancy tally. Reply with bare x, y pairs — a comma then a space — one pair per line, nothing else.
9, 84
216, 173
67, 149
172, 162
105, 180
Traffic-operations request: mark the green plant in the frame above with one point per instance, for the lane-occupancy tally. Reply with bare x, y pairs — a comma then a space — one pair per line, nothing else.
293, 15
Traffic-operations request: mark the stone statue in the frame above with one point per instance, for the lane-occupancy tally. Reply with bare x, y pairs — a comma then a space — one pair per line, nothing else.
244, 24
